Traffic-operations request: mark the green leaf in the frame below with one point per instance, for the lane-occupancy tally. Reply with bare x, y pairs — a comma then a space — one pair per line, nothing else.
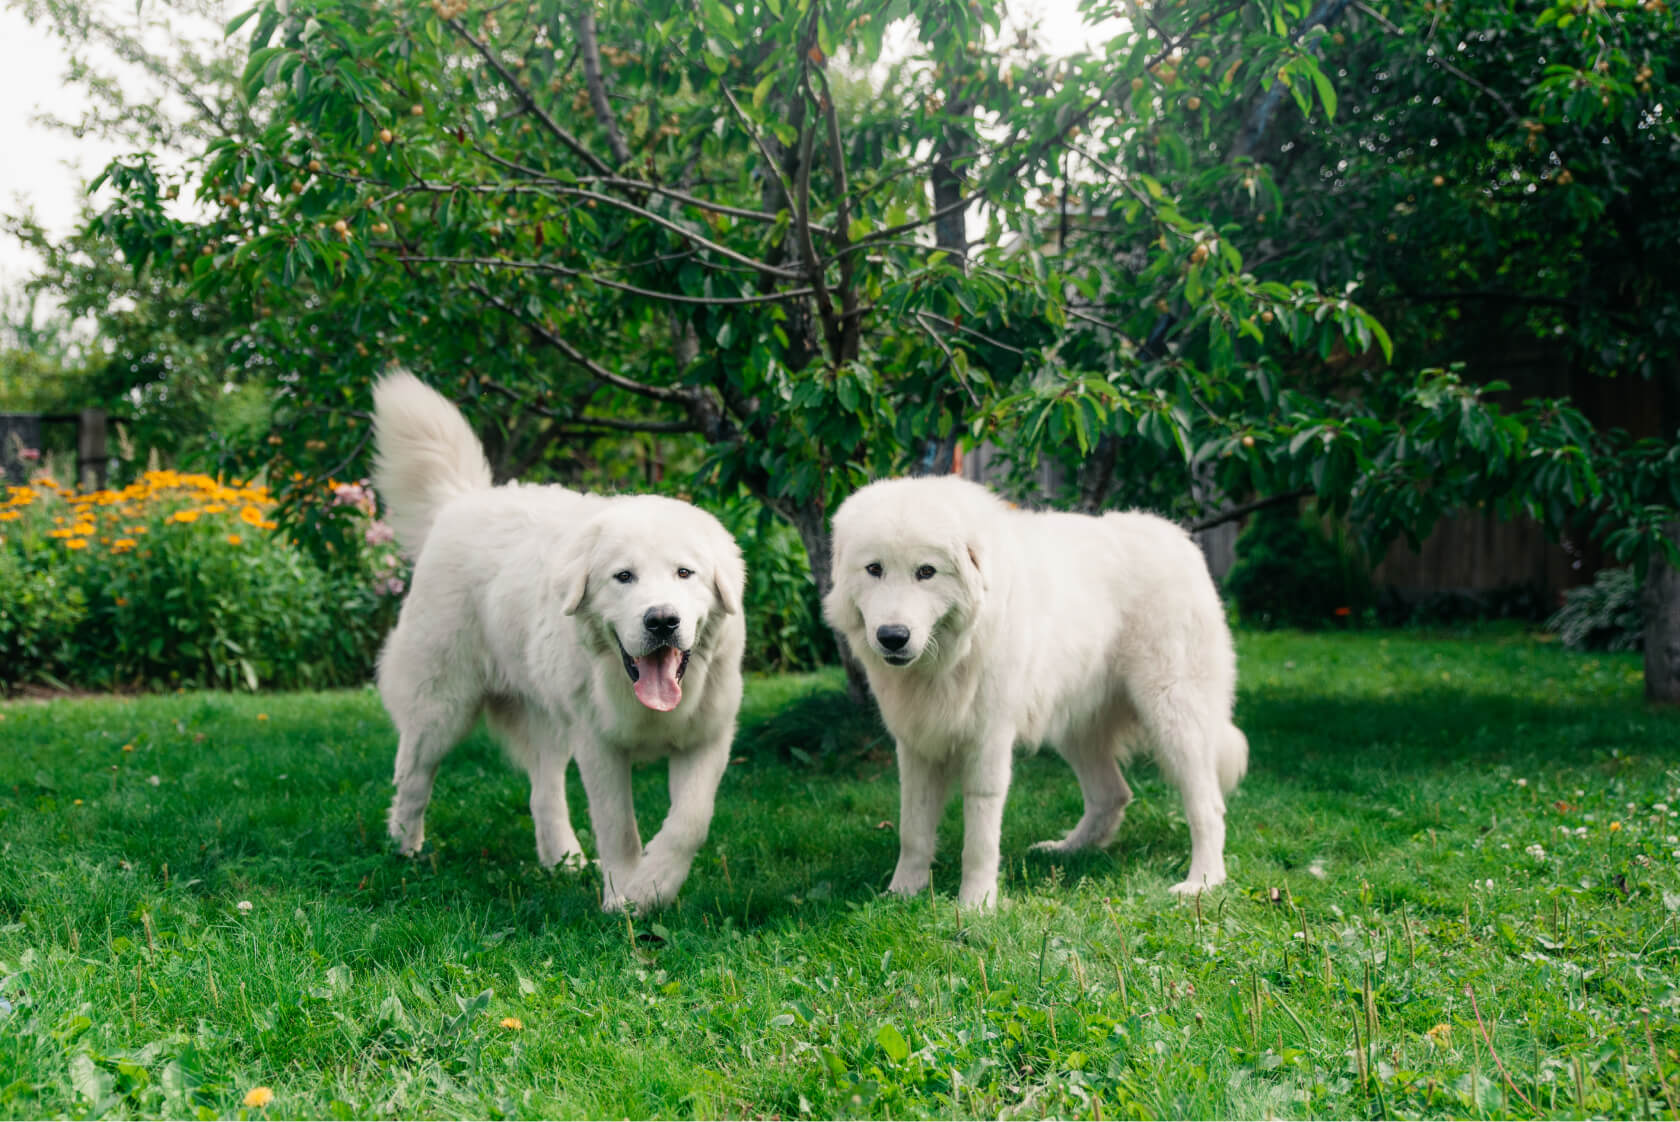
892, 1042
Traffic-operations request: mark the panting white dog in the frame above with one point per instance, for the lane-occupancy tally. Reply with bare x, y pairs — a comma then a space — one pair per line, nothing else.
982, 627
602, 629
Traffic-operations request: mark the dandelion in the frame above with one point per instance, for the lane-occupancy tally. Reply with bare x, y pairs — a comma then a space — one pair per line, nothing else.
1615, 827
129, 747
513, 1023
258, 1097
262, 716
1440, 1035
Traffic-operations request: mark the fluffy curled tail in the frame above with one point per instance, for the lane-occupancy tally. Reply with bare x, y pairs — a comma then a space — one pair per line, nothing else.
1231, 758
426, 455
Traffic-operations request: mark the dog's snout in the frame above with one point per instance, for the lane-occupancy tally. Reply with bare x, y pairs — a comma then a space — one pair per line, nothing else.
661, 621
893, 636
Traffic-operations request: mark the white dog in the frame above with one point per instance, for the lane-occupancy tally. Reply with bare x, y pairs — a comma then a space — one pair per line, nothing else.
608, 630
981, 627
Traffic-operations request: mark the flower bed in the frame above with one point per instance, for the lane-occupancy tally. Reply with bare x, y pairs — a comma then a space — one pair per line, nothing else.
184, 580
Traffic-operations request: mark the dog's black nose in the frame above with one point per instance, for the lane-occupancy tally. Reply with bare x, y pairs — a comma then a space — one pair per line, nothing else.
661, 621
893, 636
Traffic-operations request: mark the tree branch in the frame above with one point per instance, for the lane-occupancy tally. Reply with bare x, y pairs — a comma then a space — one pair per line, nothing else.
849, 325
1243, 510
543, 333
511, 80
595, 278
802, 205
589, 46
1434, 57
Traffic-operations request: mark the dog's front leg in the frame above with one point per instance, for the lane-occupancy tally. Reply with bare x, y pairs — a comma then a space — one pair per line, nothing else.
606, 780
985, 789
923, 785
694, 779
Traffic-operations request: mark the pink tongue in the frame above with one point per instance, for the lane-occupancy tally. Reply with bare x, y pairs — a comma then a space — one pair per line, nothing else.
657, 687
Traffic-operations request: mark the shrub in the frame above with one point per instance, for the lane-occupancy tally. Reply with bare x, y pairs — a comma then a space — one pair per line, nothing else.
785, 628
183, 580
1290, 573
1605, 615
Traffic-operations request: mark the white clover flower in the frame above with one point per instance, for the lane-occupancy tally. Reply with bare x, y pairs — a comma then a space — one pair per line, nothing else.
244, 906
1536, 851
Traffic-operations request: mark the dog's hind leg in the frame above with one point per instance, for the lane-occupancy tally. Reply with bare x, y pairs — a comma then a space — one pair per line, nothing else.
421, 747
1093, 755
1183, 732
533, 738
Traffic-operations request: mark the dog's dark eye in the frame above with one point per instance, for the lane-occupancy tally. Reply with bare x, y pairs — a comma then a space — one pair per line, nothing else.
624, 576
684, 574
924, 572
873, 568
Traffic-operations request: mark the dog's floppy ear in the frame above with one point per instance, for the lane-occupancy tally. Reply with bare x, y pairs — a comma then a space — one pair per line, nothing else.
729, 577
571, 584
971, 558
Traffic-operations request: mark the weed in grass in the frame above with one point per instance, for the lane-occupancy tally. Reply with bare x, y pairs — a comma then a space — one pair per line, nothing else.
1430, 914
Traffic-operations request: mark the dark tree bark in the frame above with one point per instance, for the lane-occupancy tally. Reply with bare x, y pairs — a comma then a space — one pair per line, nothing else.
1662, 626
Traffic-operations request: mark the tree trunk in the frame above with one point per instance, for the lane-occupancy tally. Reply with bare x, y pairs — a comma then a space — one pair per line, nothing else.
1662, 625
808, 520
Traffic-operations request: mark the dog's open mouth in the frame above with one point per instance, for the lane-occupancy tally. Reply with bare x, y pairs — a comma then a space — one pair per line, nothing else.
657, 676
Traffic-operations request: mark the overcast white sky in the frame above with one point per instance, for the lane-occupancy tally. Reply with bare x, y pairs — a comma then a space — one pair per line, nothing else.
45, 169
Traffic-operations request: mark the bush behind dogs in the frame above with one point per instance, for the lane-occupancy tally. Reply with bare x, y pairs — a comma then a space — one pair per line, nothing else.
183, 580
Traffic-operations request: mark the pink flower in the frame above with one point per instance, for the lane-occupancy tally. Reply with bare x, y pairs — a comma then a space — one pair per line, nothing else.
394, 586
378, 533
29, 455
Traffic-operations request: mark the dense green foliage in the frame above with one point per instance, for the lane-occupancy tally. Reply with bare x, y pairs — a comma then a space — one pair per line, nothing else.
1471, 845
1290, 573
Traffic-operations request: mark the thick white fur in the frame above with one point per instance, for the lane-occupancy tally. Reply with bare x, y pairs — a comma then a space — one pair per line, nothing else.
514, 612
1100, 636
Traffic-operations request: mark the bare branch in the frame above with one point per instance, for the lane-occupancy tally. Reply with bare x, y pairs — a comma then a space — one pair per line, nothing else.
950, 357
543, 333
605, 282
966, 330
1435, 57
589, 46
511, 80
1243, 510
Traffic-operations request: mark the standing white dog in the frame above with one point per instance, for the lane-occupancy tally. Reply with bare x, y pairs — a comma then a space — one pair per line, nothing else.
981, 627
608, 630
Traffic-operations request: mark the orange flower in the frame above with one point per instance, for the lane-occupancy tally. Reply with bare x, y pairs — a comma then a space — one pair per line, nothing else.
9, 515
123, 545
184, 516
233, 539
1344, 611
76, 543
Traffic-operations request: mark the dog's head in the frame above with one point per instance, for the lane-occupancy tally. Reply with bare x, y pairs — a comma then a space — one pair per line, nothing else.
647, 576
910, 569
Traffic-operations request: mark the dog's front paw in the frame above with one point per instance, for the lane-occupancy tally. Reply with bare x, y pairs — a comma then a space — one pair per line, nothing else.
655, 884
1051, 845
407, 839
1192, 886
908, 883
979, 897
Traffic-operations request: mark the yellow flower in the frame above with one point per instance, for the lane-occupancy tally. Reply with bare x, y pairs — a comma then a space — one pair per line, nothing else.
267, 525
233, 539
513, 1023
1440, 1035
251, 516
258, 1097
123, 545
9, 515
129, 747
184, 516
1615, 826
262, 716
76, 543
214, 508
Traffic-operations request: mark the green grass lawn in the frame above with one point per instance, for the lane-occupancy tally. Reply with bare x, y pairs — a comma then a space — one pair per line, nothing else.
1455, 882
